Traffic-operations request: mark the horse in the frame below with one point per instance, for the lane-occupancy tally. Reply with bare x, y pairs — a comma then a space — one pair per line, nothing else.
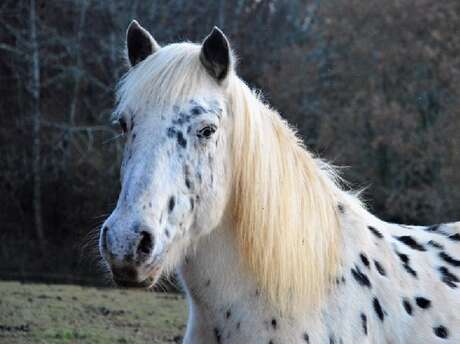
268, 244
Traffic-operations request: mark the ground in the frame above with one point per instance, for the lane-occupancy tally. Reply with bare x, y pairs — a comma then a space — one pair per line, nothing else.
38, 313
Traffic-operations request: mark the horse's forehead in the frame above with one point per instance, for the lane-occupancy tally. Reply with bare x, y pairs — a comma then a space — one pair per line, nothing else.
180, 113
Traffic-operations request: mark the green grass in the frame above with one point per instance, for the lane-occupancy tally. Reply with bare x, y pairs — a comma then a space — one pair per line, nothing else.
38, 313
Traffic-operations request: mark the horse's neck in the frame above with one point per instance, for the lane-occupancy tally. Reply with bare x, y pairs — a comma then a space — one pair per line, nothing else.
222, 293
212, 272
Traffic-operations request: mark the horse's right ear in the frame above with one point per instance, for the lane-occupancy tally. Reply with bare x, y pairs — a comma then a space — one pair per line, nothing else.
140, 43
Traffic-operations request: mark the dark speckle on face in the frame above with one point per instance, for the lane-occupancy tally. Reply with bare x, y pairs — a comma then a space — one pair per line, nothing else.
171, 204
364, 323
171, 132
197, 110
181, 140
274, 323
217, 334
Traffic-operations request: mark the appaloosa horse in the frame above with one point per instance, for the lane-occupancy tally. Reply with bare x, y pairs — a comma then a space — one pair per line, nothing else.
216, 186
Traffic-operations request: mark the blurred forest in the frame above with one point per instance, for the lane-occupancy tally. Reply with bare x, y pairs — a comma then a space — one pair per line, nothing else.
371, 85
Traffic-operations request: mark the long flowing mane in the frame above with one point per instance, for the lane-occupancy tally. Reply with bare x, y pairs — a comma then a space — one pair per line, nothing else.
284, 202
285, 205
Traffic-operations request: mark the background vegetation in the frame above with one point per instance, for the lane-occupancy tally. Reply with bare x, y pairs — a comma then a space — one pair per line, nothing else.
373, 85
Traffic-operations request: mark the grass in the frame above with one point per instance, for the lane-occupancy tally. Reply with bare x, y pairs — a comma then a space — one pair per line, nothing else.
39, 313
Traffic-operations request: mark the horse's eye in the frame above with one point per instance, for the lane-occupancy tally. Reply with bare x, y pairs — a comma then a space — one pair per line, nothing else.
207, 131
123, 125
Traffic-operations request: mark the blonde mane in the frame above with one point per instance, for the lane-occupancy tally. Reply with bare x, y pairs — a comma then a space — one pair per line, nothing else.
284, 204
284, 201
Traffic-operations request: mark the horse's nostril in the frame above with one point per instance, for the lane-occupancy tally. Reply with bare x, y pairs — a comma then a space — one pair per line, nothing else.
146, 243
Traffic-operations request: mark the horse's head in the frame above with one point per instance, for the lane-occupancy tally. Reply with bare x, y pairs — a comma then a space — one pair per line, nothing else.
175, 174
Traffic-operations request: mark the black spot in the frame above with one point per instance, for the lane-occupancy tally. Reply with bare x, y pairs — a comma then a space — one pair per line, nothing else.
306, 338
171, 132
341, 208
181, 140
441, 331
448, 259
192, 203
134, 136
360, 277
378, 309
167, 233
171, 203
274, 323
364, 323
197, 110
270, 341
405, 260
432, 228
448, 277
411, 242
343, 279
228, 314
331, 340
208, 282
455, 237
188, 183
407, 306
238, 325
380, 268
375, 232
422, 302
217, 334
364, 259
435, 244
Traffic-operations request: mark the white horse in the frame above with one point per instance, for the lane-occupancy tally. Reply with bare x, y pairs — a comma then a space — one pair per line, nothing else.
270, 249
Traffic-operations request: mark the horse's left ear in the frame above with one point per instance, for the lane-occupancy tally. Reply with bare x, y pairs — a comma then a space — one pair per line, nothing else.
216, 55
140, 43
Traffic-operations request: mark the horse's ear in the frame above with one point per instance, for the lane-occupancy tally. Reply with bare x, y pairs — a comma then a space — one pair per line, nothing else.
139, 43
216, 55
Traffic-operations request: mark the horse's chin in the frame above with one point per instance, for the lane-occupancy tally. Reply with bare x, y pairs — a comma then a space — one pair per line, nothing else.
145, 284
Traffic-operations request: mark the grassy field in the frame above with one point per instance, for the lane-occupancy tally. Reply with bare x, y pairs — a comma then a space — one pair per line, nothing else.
38, 313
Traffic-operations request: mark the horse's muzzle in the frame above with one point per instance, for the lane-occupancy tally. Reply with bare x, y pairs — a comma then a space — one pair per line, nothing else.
129, 256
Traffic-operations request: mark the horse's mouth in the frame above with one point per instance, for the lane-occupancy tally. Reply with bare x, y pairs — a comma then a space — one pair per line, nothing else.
134, 279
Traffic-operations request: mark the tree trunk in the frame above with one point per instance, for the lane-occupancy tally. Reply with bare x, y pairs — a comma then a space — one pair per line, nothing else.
36, 118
